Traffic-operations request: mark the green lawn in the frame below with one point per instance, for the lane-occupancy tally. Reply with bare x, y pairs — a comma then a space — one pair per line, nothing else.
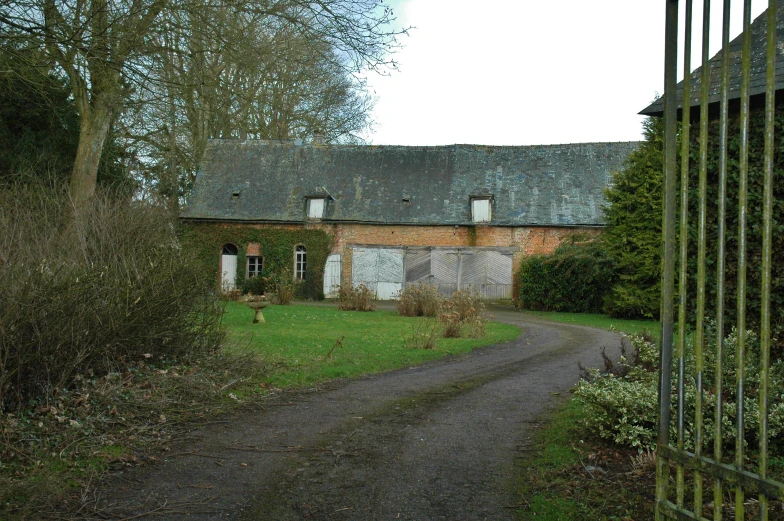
600, 321
297, 341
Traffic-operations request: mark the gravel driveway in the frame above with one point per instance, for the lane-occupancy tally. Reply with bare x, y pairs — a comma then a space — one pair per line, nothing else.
424, 443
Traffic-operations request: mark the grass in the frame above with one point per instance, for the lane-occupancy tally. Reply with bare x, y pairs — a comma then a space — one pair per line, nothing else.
124, 418
561, 481
305, 344
600, 321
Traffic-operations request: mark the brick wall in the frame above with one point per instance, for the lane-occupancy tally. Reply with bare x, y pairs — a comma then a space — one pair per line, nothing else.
530, 240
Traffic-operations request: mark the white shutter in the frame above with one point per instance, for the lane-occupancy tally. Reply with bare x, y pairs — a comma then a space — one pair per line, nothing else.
480, 210
315, 208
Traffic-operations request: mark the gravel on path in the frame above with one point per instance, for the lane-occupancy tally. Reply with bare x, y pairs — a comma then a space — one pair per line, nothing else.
433, 442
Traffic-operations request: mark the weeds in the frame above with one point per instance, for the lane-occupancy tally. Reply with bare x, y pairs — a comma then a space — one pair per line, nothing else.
462, 315
419, 300
110, 421
424, 335
283, 288
355, 298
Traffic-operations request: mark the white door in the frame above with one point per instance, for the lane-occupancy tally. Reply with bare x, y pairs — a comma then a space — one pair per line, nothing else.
228, 272
332, 276
380, 269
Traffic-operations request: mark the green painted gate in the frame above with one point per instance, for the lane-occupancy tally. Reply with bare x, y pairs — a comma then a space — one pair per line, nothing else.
739, 83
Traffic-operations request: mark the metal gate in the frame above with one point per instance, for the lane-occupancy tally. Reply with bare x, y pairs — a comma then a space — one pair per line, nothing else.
725, 473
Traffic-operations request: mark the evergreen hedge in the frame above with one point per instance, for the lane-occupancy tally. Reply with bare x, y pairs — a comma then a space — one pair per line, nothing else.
574, 278
633, 236
754, 223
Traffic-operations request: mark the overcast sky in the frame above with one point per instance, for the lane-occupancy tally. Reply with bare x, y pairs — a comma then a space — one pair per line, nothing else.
526, 72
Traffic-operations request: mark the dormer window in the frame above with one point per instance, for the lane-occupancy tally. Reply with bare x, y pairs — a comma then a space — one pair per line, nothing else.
316, 207
481, 210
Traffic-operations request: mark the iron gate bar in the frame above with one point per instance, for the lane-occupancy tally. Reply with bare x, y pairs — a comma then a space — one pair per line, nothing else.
748, 480
718, 497
767, 236
743, 183
699, 340
668, 266
685, 127
734, 474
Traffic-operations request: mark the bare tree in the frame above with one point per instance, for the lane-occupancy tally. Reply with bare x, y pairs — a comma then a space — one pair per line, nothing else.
193, 57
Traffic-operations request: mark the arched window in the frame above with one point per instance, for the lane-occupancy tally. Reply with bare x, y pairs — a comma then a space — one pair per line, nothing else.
300, 262
230, 249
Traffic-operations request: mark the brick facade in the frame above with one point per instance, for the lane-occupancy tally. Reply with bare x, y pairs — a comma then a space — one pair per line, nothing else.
529, 240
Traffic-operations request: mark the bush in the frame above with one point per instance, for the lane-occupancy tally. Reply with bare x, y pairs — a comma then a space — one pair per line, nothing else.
419, 300
283, 287
622, 405
633, 237
574, 278
358, 298
255, 285
463, 310
94, 293
424, 335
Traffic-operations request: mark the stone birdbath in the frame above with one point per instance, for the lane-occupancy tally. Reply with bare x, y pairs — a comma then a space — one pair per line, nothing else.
257, 303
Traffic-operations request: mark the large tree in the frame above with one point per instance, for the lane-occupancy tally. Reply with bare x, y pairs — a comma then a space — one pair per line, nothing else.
633, 235
110, 51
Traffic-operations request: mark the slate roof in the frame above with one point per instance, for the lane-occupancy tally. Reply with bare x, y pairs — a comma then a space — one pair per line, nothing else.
262, 181
758, 57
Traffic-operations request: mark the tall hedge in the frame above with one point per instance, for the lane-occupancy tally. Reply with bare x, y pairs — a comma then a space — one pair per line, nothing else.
575, 278
277, 249
633, 236
754, 222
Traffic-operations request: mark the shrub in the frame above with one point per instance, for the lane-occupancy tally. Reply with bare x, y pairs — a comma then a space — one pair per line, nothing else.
622, 407
423, 335
419, 300
574, 278
463, 310
93, 293
283, 287
359, 298
254, 285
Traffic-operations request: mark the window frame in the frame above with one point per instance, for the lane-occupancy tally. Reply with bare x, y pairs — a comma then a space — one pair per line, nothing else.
259, 266
309, 206
489, 202
300, 262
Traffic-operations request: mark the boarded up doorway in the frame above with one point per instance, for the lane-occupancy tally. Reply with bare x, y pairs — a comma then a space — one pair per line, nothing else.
380, 269
485, 271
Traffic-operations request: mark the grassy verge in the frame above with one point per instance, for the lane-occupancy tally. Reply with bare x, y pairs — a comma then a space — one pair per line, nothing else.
308, 344
568, 477
600, 321
51, 452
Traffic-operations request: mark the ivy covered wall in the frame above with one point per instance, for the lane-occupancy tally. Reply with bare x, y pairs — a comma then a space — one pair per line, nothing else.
277, 245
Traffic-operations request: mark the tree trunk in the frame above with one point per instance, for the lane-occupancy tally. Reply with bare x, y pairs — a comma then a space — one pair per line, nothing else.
94, 127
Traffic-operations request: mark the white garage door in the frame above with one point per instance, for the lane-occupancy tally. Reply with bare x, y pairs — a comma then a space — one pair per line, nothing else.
380, 269
487, 272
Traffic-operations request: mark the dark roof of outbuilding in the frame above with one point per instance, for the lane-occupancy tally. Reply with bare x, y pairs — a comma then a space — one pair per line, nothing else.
260, 181
758, 59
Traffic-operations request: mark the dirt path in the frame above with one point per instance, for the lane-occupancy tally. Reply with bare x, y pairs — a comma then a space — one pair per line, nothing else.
425, 443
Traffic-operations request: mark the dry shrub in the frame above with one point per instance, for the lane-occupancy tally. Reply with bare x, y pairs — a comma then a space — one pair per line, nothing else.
450, 324
462, 315
93, 291
423, 335
419, 300
359, 298
283, 287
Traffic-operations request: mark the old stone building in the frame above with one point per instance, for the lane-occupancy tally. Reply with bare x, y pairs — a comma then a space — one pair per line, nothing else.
459, 216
